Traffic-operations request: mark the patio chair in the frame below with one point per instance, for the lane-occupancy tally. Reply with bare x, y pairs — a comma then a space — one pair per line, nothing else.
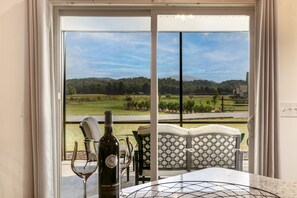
126, 153
91, 130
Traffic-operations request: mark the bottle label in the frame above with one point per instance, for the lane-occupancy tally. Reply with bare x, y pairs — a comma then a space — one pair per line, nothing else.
111, 161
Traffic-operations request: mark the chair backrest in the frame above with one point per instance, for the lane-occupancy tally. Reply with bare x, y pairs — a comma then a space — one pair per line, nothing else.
215, 146
91, 129
172, 142
191, 149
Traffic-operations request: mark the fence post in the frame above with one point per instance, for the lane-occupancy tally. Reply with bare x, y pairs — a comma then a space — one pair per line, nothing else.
222, 103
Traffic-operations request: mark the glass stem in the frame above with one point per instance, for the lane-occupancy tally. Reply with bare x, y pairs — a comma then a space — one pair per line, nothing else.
85, 188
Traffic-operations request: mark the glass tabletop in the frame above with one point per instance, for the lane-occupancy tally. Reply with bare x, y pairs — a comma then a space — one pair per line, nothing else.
207, 189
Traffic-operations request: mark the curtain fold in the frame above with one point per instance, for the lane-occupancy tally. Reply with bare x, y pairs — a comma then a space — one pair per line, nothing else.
265, 157
42, 94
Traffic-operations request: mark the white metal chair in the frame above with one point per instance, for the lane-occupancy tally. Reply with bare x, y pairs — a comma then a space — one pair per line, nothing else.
91, 130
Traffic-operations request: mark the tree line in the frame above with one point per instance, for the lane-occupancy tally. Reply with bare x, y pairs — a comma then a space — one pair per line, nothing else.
141, 85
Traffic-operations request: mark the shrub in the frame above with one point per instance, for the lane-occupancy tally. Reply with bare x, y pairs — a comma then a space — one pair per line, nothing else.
188, 106
168, 96
162, 105
146, 105
202, 109
128, 98
173, 107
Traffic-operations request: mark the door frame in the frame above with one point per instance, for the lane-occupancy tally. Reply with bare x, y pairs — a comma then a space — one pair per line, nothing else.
153, 12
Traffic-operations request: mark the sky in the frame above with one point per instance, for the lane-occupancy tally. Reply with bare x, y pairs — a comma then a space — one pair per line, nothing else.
216, 56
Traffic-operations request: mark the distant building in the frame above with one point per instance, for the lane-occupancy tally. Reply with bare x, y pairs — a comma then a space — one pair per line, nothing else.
241, 91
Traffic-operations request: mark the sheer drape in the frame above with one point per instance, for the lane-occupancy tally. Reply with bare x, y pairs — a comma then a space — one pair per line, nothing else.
264, 158
42, 96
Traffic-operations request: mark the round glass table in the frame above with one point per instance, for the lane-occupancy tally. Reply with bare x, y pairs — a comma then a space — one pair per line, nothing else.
209, 189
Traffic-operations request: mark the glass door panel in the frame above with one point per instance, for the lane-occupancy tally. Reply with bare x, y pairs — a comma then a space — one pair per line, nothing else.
203, 76
168, 76
107, 67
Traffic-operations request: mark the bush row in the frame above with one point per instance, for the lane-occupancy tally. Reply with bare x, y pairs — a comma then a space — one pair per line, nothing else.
189, 106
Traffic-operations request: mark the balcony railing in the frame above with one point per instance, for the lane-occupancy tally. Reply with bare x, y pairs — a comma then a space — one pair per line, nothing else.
126, 126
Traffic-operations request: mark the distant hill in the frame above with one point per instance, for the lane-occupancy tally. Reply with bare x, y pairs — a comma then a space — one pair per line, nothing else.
185, 78
141, 85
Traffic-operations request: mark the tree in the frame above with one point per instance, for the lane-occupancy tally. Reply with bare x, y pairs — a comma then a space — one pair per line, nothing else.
122, 88
109, 88
214, 100
142, 85
146, 88
70, 89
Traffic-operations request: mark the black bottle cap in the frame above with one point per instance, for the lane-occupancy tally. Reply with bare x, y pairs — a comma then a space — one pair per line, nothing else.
108, 118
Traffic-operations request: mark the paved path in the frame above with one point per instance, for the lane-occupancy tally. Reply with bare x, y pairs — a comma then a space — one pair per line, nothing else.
127, 118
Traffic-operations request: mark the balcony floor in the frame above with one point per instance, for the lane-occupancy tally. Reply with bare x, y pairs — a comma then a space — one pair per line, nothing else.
72, 185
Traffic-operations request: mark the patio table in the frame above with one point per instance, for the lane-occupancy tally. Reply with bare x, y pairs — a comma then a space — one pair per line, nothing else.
215, 182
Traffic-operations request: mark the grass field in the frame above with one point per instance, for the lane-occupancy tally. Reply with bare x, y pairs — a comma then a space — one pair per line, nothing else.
94, 104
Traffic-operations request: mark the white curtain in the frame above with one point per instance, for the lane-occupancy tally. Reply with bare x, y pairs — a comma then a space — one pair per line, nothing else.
42, 95
264, 159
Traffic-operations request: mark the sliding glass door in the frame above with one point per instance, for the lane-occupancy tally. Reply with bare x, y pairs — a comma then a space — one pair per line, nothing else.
203, 70
107, 67
185, 67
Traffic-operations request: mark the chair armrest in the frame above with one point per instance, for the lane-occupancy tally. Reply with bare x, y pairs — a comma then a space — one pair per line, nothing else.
239, 163
136, 158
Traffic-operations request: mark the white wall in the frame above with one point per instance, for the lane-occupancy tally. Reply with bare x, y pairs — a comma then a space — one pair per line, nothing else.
15, 168
287, 49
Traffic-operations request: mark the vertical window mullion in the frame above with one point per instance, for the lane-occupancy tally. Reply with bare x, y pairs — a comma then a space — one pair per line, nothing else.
180, 79
64, 150
154, 99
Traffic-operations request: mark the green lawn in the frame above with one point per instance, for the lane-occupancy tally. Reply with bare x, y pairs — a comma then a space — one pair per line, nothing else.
98, 107
94, 104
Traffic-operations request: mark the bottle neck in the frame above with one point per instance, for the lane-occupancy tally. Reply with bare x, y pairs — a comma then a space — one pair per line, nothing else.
108, 129
108, 122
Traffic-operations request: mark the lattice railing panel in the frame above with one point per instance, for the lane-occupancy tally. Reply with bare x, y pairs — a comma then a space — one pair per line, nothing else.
171, 151
213, 151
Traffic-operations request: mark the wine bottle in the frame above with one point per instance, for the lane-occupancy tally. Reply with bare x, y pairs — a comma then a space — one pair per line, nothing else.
109, 185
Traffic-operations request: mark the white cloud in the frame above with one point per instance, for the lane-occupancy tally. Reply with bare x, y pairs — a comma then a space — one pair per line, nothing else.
220, 56
109, 38
113, 64
119, 55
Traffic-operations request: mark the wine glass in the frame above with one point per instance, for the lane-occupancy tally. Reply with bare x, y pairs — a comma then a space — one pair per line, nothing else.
86, 167
125, 162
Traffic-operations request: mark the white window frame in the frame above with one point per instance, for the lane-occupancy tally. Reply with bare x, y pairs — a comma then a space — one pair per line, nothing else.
153, 12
